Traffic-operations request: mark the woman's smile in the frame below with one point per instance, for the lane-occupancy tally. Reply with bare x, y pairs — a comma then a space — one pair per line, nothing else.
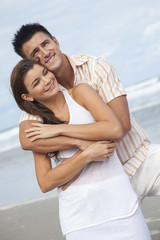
41, 83
50, 88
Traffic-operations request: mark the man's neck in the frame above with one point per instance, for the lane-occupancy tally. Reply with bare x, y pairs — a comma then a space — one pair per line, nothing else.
66, 76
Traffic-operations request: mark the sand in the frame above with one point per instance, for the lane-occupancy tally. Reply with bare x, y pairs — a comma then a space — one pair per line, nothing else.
38, 219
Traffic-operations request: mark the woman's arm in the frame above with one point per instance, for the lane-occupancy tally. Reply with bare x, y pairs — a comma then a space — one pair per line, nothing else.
107, 125
48, 144
49, 178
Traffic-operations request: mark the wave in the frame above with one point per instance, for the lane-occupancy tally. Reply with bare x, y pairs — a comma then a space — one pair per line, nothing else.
142, 95
143, 88
9, 139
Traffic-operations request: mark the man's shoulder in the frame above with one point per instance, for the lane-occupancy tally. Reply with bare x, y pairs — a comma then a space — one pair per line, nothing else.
85, 57
26, 116
89, 60
93, 60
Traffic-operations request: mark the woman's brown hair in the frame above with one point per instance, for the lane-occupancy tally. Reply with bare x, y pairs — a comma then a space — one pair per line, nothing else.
18, 88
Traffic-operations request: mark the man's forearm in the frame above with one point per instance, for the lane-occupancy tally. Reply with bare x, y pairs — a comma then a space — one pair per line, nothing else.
45, 145
53, 144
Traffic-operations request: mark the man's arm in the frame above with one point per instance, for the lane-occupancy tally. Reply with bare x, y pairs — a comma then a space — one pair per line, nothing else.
119, 106
48, 145
112, 92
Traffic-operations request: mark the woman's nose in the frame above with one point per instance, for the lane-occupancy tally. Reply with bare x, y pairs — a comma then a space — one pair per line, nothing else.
46, 80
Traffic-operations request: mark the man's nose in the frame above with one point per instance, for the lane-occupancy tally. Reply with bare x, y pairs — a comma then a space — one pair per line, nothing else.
44, 52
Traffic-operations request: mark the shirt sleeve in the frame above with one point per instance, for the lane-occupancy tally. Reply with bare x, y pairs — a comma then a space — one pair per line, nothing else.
107, 80
25, 116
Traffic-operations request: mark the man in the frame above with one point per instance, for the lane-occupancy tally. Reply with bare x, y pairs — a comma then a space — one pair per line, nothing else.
139, 157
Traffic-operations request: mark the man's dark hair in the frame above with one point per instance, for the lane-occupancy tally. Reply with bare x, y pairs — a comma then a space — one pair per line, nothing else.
24, 34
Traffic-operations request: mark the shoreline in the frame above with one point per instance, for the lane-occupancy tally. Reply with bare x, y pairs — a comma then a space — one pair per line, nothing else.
23, 203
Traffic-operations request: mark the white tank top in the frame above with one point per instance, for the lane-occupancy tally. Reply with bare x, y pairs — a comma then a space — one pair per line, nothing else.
101, 193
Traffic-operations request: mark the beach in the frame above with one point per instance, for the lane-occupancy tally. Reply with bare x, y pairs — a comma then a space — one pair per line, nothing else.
39, 220
26, 213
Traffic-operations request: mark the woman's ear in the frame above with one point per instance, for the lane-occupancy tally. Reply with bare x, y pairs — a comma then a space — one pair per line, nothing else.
27, 97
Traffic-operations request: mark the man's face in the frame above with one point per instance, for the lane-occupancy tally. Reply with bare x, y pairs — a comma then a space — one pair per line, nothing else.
44, 50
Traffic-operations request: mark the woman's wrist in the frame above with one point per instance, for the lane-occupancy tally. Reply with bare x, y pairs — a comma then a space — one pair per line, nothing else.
62, 129
87, 157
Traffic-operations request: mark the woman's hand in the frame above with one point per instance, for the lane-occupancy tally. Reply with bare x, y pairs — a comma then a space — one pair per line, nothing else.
100, 151
41, 130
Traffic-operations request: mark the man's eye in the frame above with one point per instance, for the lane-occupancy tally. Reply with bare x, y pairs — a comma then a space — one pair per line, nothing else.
34, 54
45, 43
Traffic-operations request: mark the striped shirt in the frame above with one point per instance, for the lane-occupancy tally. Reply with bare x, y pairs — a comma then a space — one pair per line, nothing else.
97, 72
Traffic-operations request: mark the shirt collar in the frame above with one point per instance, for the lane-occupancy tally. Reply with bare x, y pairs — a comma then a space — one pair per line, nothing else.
77, 60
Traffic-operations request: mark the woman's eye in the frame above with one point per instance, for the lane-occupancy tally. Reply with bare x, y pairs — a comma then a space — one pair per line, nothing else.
36, 83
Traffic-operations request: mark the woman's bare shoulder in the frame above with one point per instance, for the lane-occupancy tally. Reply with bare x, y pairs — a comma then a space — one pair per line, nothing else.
81, 89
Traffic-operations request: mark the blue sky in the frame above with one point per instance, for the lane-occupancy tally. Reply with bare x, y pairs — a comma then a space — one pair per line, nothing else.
125, 32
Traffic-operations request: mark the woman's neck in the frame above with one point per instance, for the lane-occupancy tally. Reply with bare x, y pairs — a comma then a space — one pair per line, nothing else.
58, 106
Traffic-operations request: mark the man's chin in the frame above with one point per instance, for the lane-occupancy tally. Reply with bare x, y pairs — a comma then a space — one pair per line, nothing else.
50, 66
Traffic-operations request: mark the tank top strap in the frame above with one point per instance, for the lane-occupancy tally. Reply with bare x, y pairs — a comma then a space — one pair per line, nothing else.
76, 111
67, 97
69, 102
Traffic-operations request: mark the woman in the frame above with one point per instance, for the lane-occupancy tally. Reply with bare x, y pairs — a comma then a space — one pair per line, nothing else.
101, 199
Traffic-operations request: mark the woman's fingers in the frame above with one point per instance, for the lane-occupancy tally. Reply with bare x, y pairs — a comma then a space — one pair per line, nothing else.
33, 134
37, 124
32, 129
36, 127
34, 138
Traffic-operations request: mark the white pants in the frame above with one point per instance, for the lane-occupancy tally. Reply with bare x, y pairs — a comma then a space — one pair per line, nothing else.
146, 181
131, 228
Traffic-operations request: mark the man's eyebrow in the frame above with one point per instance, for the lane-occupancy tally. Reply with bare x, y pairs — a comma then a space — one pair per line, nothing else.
34, 81
34, 51
44, 42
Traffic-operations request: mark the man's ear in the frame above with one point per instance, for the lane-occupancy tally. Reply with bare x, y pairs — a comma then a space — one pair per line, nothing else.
56, 41
27, 97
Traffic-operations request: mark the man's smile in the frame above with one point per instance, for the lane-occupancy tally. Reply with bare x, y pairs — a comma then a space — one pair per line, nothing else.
50, 59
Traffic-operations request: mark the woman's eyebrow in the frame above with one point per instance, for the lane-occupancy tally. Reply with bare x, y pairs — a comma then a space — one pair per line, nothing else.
43, 71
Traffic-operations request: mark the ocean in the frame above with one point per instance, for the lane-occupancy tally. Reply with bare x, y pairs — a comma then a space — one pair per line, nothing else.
17, 175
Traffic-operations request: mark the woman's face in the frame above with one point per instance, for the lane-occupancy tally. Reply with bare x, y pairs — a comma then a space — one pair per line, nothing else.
41, 84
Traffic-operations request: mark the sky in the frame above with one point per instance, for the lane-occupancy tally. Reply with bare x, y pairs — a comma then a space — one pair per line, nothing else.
125, 32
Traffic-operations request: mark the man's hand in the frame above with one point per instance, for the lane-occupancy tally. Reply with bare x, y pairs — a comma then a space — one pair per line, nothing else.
100, 151
84, 144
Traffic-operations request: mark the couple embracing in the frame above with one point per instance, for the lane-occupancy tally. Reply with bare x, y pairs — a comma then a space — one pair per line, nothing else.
75, 111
